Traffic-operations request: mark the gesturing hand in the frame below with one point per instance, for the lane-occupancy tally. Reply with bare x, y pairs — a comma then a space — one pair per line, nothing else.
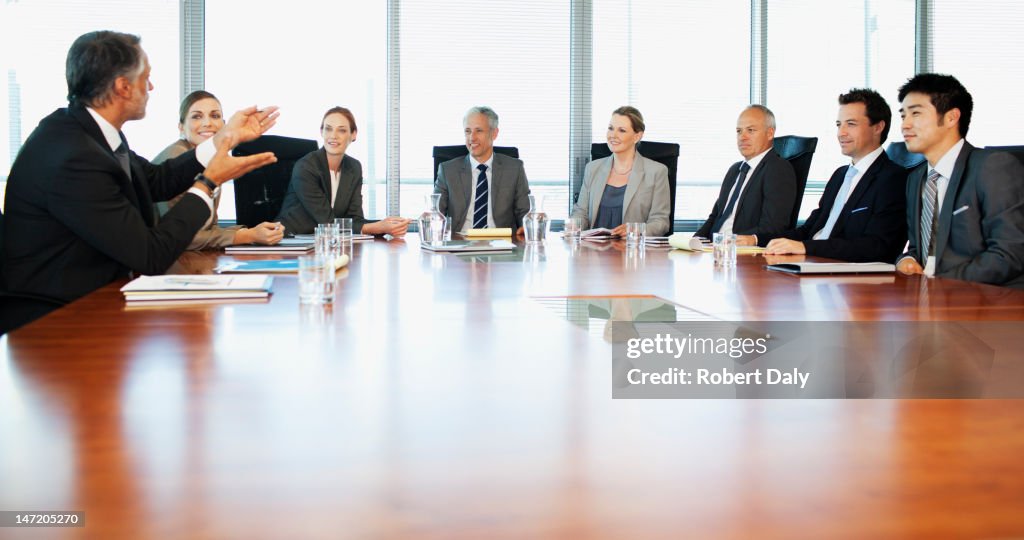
224, 166
246, 125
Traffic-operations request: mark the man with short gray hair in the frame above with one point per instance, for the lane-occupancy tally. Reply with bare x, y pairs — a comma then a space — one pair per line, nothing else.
758, 193
484, 189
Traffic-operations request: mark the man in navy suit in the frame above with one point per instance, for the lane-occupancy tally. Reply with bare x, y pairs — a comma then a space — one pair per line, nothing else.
861, 216
965, 209
79, 202
758, 193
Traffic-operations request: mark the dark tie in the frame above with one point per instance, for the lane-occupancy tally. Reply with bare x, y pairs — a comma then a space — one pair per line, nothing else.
929, 200
122, 156
720, 220
480, 204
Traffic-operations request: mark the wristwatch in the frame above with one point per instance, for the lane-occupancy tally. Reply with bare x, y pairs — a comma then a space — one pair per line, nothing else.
202, 179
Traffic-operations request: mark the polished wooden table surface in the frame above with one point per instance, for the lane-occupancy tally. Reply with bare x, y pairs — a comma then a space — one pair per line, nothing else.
448, 397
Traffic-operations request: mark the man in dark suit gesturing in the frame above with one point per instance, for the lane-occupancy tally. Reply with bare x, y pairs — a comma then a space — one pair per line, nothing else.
862, 215
758, 193
965, 210
483, 189
79, 203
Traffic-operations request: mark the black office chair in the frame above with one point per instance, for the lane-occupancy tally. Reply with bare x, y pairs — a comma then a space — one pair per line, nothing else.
259, 194
1017, 151
898, 153
665, 153
448, 153
17, 309
798, 151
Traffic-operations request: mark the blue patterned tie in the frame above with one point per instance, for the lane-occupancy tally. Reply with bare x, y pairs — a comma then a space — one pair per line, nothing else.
480, 204
732, 200
838, 204
929, 200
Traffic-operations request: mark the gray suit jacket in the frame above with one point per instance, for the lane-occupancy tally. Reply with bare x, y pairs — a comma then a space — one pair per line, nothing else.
308, 200
509, 190
646, 200
981, 222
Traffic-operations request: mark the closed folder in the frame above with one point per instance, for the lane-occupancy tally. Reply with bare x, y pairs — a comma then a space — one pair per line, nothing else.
489, 233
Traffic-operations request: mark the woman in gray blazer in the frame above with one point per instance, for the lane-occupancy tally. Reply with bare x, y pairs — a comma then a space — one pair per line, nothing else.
327, 184
624, 187
199, 118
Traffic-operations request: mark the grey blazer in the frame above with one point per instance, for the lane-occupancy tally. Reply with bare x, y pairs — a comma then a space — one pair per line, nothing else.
509, 190
981, 222
646, 200
307, 202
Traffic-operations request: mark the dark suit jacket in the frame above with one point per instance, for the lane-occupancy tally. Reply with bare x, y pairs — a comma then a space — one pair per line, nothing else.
509, 190
766, 203
308, 200
981, 222
873, 222
75, 222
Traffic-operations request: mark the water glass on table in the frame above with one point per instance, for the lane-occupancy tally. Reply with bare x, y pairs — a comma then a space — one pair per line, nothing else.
724, 246
573, 228
635, 234
316, 279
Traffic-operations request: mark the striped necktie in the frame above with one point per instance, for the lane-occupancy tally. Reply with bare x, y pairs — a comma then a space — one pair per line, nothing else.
929, 200
480, 204
720, 220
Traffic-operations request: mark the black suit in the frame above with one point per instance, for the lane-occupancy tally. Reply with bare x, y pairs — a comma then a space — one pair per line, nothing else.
981, 222
873, 222
766, 204
308, 200
75, 221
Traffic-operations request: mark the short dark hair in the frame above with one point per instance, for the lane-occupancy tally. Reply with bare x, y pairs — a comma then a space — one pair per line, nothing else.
946, 94
191, 100
874, 105
344, 112
96, 60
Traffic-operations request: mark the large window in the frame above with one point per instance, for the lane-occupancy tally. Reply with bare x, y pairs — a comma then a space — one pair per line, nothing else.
979, 43
818, 50
305, 56
35, 37
511, 56
686, 66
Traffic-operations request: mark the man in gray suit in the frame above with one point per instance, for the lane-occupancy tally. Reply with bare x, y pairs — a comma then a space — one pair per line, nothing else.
965, 209
483, 189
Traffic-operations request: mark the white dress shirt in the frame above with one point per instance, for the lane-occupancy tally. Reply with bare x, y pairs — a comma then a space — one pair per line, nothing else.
862, 166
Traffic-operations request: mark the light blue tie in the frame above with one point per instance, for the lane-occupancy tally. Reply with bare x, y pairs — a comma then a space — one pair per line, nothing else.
839, 203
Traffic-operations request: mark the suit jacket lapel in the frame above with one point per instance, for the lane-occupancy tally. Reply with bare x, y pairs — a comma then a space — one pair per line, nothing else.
93, 130
599, 182
755, 176
949, 199
635, 178
853, 200
464, 186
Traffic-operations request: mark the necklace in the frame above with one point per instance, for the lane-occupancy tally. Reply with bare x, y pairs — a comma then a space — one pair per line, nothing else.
627, 171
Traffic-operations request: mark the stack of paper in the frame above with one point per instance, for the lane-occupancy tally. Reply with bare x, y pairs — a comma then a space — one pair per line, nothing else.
469, 246
287, 246
272, 266
192, 287
598, 235
489, 233
656, 242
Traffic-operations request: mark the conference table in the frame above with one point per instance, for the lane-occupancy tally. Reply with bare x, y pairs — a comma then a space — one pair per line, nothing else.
446, 396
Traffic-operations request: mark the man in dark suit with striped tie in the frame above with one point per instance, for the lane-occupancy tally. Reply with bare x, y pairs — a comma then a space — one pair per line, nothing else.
965, 207
483, 189
862, 215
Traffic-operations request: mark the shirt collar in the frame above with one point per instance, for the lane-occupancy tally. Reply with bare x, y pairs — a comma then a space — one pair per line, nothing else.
866, 161
475, 163
110, 133
948, 161
756, 160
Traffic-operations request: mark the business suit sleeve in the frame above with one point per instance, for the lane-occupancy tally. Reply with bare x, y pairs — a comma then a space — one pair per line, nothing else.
308, 185
582, 207
705, 230
779, 195
811, 225
355, 202
885, 232
657, 220
90, 202
521, 203
1000, 193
